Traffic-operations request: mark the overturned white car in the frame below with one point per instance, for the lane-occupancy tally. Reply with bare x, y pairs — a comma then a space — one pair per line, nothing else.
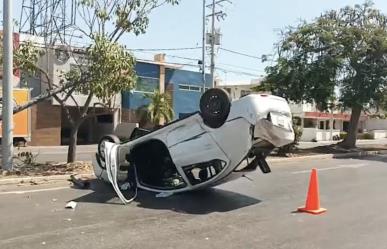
221, 142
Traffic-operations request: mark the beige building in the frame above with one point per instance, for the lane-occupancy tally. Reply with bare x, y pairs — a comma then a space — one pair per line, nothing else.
239, 90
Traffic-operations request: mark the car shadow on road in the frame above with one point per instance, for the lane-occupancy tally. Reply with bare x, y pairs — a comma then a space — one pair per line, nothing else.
197, 202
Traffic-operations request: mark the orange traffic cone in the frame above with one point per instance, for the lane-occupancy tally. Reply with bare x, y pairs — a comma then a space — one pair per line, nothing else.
313, 200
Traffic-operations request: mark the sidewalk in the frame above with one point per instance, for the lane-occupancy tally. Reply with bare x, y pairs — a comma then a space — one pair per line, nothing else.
359, 142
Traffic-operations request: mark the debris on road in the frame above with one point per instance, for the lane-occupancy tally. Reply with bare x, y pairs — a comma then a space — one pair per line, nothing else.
81, 181
32, 182
71, 205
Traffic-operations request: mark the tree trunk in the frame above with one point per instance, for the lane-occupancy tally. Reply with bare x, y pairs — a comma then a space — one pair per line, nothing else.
350, 140
72, 152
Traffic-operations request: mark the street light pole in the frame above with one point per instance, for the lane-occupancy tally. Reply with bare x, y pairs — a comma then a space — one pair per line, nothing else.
7, 124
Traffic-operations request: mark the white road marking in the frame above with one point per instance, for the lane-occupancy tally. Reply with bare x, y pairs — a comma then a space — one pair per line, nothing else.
343, 166
33, 191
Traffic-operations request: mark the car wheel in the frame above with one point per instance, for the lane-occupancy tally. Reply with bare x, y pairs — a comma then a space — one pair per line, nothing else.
214, 107
101, 144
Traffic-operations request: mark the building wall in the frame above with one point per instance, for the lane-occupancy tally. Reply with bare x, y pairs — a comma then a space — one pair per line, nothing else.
298, 109
311, 134
184, 86
237, 91
375, 124
187, 90
45, 124
148, 79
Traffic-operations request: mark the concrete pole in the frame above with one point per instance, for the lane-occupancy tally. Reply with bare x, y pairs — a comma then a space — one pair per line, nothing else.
7, 111
213, 45
331, 126
204, 47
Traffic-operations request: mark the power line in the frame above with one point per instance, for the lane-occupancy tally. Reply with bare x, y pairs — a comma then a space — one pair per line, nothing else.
238, 72
240, 53
182, 57
237, 66
163, 49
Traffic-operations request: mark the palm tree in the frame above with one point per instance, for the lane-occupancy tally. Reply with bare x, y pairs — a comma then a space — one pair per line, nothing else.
159, 109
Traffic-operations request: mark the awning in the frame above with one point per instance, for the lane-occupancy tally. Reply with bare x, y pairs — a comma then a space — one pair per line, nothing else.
324, 115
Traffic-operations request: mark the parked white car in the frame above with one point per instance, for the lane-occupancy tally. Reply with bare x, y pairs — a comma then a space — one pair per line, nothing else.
220, 143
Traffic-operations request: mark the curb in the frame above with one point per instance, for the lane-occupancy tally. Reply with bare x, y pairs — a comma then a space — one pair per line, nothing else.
330, 156
26, 179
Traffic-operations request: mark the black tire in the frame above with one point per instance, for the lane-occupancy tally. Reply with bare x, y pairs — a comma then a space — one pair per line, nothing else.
101, 145
214, 107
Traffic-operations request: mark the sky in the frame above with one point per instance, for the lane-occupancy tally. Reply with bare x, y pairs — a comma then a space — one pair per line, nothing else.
250, 27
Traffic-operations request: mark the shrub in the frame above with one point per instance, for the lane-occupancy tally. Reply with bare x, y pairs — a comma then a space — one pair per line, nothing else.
291, 147
343, 135
367, 136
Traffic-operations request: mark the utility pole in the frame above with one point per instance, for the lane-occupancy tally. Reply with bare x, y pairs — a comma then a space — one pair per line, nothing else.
212, 67
7, 101
204, 47
214, 36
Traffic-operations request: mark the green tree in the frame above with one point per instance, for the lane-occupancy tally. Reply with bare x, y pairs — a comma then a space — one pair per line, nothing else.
106, 68
25, 58
340, 53
159, 109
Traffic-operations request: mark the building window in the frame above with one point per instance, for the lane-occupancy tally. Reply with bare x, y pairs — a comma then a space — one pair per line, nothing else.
191, 88
147, 84
194, 88
184, 87
309, 123
321, 125
107, 118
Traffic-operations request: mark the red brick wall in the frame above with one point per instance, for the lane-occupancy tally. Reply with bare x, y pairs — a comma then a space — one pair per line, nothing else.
45, 124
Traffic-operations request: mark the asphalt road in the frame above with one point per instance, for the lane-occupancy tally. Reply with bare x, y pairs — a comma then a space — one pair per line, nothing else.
256, 213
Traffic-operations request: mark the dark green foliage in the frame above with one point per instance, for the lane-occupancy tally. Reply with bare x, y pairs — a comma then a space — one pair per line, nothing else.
340, 53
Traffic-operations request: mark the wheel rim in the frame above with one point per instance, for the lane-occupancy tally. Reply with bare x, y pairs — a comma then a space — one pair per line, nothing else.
214, 105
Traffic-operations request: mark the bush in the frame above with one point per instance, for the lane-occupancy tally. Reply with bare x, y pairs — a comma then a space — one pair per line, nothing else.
282, 151
343, 135
367, 136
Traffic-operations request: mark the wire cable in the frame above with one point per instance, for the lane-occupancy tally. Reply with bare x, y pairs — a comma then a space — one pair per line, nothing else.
163, 49
240, 53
